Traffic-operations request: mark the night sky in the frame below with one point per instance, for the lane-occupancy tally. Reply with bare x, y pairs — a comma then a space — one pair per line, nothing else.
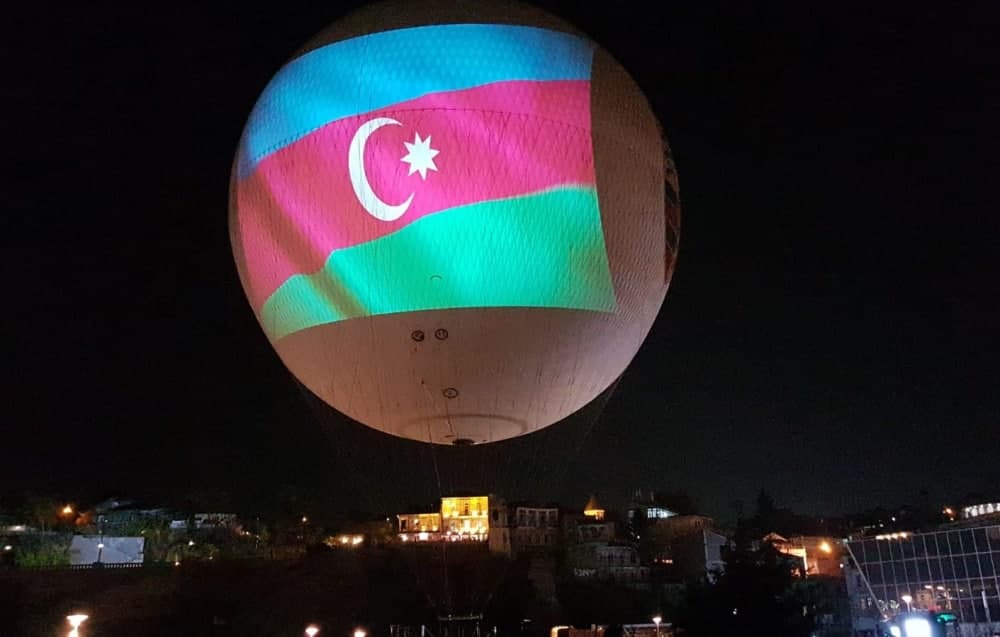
830, 334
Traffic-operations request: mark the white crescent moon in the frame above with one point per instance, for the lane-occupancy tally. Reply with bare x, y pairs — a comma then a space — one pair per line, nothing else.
359, 180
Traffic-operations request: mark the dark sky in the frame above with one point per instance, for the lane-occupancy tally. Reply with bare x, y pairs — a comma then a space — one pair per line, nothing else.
830, 334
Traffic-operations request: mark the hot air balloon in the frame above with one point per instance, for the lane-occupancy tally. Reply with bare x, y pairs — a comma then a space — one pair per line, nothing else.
455, 222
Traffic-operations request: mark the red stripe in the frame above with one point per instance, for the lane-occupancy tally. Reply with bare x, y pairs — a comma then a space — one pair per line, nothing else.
495, 141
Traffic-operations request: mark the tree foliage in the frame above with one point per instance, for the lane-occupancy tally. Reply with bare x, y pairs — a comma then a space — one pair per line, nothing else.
756, 594
39, 551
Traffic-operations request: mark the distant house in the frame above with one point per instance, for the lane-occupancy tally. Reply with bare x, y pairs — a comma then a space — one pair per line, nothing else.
460, 519
683, 546
121, 516
592, 525
207, 521
613, 562
536, 528
813, 555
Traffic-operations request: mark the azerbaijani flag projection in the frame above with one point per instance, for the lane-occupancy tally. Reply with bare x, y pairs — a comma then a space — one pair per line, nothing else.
419, 169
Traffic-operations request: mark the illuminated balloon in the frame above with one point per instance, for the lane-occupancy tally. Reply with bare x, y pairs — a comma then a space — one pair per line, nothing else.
455, 222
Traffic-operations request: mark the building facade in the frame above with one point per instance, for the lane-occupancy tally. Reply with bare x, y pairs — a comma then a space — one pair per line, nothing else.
421, 526
466, 516
608, 562
460, 519
536, 529
680, 547
820, 556
593, 510
954, 569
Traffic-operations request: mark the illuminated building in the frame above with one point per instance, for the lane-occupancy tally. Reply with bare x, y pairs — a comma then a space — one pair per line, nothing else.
461, 518
466, 516
990, 509
955, 569
818, 555
419, 522
592, 510
589, 525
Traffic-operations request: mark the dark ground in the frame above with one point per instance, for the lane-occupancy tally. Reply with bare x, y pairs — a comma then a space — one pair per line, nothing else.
337, 590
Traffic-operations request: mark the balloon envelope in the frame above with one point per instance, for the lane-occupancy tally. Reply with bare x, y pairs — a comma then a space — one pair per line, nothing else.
455, 224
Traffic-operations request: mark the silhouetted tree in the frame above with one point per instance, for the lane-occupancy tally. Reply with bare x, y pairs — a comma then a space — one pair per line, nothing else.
756, 594
765, 504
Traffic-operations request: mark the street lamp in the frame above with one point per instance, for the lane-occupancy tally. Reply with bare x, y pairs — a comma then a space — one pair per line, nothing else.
906, 600
656, 620
312, 630
75, 620
359, 632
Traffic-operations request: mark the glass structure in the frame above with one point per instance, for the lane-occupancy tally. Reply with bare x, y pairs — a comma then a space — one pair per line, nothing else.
953, 570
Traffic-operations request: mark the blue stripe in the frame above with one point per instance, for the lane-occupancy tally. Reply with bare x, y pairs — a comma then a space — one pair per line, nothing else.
375, 71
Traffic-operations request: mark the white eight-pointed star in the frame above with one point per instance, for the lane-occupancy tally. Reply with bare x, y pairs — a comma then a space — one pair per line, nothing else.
421, 155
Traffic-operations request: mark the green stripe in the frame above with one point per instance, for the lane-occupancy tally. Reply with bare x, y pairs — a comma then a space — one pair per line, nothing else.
540, 250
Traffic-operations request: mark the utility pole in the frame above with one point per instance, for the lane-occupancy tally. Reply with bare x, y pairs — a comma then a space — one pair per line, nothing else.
864, 578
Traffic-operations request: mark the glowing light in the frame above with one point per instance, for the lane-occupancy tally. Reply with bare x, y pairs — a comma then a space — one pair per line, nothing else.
76, 619
312, 630
825, 547
917, 627
359, 632
659, 513
8, 547
592, 510
67, 510
906, 600
893, 536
